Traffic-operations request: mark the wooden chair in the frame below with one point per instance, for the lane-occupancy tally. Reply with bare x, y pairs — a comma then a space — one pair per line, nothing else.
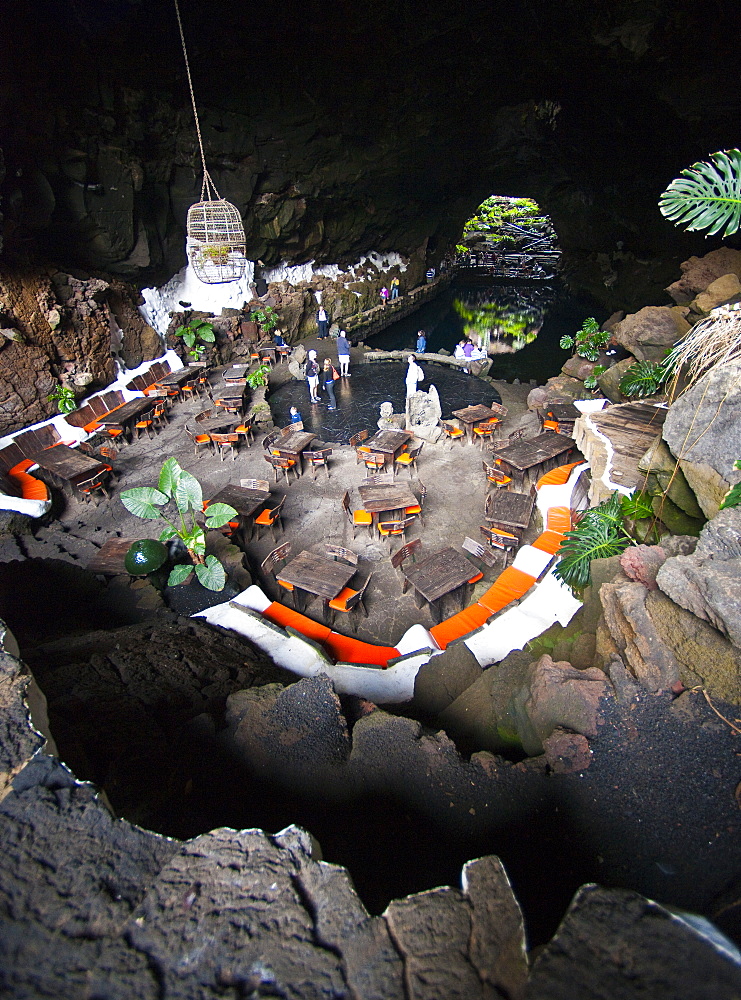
199, 440
255, 484
338, 553
203, 416
269, 440
484, 431
452, 432
246, 430
226, 443
86, 488
348, 599
371, 459
417, 507
357, 518
203, 386
159, 414
356, 442
282, 464
268, 566
269, 517
389, 529
381, 479
400, 557
189, 389
496, 476
318, 460
499, 539
145, 423
476, 549
408, 458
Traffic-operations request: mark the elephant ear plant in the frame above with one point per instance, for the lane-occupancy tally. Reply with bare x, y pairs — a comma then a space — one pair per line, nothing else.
178, 500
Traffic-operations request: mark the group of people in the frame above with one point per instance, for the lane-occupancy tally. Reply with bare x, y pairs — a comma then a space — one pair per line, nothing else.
328, 373
392, 292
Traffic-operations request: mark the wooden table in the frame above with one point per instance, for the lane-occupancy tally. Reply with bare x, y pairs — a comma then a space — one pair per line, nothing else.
388, 443
314, 573
175, 379
69, 464
267, 350
127, 413
565, 414
237, 373
292, 444
386, 496
438, 575
472, 415
230, 395
245, 501
509, 511
218, 424
520, 457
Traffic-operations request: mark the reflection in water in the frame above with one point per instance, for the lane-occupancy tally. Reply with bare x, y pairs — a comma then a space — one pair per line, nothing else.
502, 319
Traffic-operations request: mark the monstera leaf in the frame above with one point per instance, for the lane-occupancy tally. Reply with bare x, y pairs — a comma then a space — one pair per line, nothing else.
707, 195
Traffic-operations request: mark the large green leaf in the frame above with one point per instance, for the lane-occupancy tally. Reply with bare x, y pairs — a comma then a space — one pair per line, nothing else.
707, 195
178, 574
595, 539
206, 333
212, 575
188, 493
143, 501
218, 514
644, 378
168, 533
732, 497
169, 475
637, 506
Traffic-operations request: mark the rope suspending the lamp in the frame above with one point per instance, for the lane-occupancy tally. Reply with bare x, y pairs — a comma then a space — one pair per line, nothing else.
216, 243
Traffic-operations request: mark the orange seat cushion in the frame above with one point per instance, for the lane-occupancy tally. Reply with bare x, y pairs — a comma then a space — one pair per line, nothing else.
91, 427
509, 586
279, 614
30, 487
557, 476
416, 509
558, 519
548, 541
453, 431
476, 578
23, 466
347, 649
362, 517
285, 584
264, 518
201, 438
338, 603
466, 621
405, 459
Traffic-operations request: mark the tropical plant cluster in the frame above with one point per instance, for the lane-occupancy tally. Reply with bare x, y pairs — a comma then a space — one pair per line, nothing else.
588, 341
196, 335
178, 501
602, 531
64, 397
497, 211
266, 316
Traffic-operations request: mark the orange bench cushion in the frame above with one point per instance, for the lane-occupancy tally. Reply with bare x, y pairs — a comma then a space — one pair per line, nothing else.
23, 466
509, 586
279, 614
549, 541
557, 476
347, 649
463, 623
558, 519
362, 517
31, 488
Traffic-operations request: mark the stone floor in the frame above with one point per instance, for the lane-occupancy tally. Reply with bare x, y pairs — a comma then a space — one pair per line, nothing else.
455, 501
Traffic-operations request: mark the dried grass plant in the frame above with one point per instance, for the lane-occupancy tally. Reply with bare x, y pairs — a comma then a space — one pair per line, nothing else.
710, 344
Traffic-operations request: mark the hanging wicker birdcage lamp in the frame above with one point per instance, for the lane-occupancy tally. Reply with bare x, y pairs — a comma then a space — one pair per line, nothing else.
216, 243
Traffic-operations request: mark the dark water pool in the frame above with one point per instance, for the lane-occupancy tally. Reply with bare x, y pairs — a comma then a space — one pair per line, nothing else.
520, 325
359, 397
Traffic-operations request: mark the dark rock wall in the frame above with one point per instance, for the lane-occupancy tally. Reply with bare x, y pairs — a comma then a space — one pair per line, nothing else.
367, 127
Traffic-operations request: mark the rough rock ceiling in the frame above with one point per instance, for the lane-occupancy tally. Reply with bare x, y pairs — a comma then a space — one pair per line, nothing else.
344, 128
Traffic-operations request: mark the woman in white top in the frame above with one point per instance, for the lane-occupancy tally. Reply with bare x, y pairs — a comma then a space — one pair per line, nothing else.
414, 375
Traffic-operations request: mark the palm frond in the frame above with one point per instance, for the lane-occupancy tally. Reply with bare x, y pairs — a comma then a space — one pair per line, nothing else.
592, 539
707, 195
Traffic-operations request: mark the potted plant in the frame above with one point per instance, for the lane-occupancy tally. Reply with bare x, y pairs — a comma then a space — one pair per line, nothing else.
178, 501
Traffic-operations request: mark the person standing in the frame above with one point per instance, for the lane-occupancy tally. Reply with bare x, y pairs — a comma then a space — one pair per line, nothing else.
421, 342
329, 374
343, 354
384, 293
312, 377
322, 322
394, 288
414, 375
